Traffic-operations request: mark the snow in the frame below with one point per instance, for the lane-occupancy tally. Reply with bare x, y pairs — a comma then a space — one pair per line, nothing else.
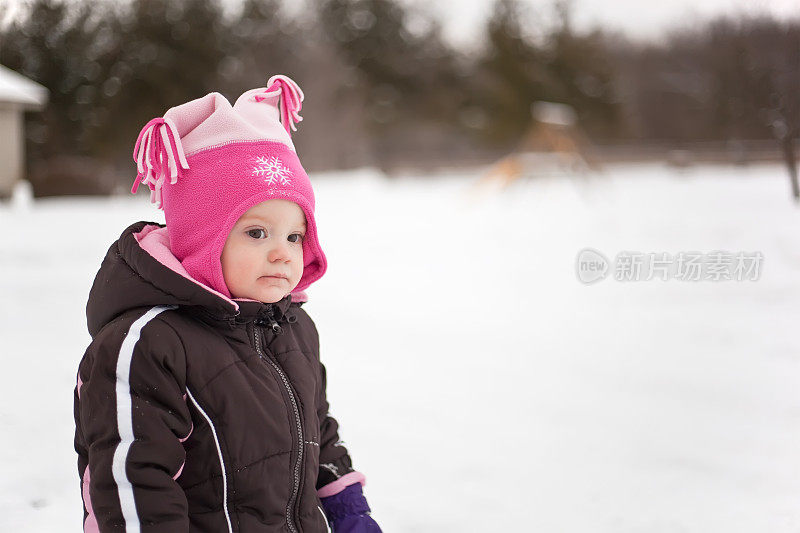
479, 385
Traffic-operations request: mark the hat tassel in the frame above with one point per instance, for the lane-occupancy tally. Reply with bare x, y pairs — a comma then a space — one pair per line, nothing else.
157, 148
291, 99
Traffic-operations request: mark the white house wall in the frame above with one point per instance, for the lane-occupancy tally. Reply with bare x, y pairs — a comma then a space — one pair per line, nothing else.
12, 139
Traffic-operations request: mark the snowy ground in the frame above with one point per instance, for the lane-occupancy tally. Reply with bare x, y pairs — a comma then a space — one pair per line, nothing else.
479, 385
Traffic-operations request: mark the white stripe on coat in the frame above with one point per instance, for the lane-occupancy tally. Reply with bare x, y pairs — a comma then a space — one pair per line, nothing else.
221, 461
324, 517
125, 418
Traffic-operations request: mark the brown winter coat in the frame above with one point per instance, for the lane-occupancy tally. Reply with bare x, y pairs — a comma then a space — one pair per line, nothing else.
192, 415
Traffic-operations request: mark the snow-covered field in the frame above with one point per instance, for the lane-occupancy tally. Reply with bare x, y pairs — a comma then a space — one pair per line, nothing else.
479, 385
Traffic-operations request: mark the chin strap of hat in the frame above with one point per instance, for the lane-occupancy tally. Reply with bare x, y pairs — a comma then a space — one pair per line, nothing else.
157, 152
291, 99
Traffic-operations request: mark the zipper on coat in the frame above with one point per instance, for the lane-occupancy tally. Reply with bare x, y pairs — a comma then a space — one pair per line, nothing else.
296, 409
276, 328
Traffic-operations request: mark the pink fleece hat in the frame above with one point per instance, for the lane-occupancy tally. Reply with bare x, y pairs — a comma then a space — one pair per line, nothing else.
207, 162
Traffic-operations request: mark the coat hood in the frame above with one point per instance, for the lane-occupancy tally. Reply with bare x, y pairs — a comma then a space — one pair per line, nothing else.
139, 270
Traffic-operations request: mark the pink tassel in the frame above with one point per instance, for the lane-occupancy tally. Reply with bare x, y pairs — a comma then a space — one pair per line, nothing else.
291, 99
157, 148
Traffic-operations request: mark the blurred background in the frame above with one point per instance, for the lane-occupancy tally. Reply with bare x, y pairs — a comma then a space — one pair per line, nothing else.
396, 84
463, 154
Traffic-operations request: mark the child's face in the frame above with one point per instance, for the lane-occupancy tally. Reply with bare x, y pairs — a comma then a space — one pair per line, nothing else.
263, 256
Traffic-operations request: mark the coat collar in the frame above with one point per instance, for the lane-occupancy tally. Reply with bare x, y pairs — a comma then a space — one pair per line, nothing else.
249, 310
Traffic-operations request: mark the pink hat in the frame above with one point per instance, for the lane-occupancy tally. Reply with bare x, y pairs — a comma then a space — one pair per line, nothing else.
206, 163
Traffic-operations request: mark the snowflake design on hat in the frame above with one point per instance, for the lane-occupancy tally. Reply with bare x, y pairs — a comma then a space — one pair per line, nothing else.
272, 170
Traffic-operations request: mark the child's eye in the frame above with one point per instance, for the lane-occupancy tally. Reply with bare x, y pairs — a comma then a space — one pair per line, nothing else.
295, 237
257, 233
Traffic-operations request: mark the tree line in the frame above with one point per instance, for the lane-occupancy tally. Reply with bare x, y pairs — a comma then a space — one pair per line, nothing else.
383, 85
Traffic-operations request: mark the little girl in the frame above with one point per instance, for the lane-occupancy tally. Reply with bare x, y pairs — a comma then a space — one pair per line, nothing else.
200, 403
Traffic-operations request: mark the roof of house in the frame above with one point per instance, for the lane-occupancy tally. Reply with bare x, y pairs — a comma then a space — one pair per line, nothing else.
17, 89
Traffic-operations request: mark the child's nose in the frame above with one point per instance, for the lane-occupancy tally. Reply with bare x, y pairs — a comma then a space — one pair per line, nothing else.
279, 253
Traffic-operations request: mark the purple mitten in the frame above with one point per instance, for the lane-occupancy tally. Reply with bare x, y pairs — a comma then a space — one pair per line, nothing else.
348, 511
